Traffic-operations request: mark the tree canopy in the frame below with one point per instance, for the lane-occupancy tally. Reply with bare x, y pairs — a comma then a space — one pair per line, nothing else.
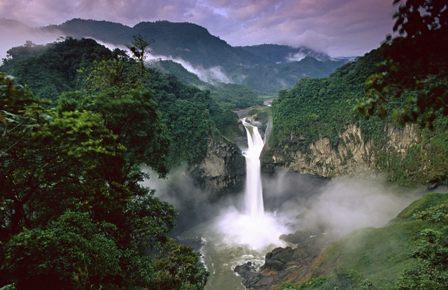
412, 84
73, 212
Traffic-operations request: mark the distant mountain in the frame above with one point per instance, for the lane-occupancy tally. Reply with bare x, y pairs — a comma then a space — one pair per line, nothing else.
265, 68
187, 41
274, 53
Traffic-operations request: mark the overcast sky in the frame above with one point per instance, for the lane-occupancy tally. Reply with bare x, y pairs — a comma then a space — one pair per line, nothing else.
338, 27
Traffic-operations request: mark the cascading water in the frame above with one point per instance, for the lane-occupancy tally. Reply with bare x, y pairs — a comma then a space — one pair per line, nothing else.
253, 196
243, 231
251, 226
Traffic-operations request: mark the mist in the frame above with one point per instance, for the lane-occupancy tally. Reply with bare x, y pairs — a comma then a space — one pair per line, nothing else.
296, 57
346, 204
294, 202
209, 75
17, 35
193, 204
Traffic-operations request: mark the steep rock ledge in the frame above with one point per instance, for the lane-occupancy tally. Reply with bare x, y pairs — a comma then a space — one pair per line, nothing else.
354, 154
222, 170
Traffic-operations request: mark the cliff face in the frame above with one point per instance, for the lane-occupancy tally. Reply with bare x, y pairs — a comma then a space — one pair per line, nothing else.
222, 170
352, 155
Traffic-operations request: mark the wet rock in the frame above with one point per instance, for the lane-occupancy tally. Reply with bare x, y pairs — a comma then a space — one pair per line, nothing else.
284, 264
222, 171
278, 258
248, 273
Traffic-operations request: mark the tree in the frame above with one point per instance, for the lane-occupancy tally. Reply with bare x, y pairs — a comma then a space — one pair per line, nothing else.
412, 84
72, 252
115, 89
53, 68
139, 49
73, 213
430, 251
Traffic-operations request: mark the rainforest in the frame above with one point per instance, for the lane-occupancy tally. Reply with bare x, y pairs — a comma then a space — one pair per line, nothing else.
160, 156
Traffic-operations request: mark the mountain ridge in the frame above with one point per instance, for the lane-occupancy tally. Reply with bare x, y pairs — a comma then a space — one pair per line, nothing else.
264, 68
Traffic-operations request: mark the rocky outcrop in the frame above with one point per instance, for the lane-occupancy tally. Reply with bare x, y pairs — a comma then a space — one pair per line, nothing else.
284, 264
353, 154
399, 140
222, 170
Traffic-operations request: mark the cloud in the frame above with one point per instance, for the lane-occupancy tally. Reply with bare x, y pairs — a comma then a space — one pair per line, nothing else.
16, 34
209, 75
339, 27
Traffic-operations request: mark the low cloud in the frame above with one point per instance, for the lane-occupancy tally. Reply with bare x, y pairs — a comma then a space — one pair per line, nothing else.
209, 75
16, 34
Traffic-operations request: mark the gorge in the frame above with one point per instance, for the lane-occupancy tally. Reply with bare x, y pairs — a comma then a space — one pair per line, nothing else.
159, 156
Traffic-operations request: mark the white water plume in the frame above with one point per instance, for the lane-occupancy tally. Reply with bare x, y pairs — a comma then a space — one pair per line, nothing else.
254, 192
253, 227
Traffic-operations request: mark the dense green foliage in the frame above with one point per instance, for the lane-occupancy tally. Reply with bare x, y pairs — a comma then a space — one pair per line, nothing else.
317, 108
408, 253
231, 96
52, 69
177, 70
189, 114
110, 80
412, 84
234, 96
114, 88
73, 212
268, 79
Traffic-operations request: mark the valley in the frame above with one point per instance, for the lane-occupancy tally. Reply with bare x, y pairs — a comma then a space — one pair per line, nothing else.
156, 155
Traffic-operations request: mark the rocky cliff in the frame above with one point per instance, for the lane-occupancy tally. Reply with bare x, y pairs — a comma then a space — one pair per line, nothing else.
222, 170
353, 154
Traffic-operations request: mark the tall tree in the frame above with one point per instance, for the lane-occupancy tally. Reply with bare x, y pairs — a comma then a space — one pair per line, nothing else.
115, 89
139, 49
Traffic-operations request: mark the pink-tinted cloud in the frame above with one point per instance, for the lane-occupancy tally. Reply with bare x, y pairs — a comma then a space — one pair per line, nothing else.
339, 27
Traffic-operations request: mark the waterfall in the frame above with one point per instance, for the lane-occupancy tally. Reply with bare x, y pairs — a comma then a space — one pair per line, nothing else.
253, 196
253, 227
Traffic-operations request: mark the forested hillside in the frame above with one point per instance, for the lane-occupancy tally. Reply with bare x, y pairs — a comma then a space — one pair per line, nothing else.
264, 69
317, 111
388, 112
74, 214
73, 71
408, 253
231, 96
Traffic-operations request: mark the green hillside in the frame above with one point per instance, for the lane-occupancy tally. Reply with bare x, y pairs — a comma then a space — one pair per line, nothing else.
408, 253
51, 70
74, 213
317, 108
231, 96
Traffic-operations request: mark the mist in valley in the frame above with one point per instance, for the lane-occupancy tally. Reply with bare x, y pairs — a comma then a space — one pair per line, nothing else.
293, 202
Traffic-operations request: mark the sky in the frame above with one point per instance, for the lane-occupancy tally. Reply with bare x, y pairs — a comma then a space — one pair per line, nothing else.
337, 27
